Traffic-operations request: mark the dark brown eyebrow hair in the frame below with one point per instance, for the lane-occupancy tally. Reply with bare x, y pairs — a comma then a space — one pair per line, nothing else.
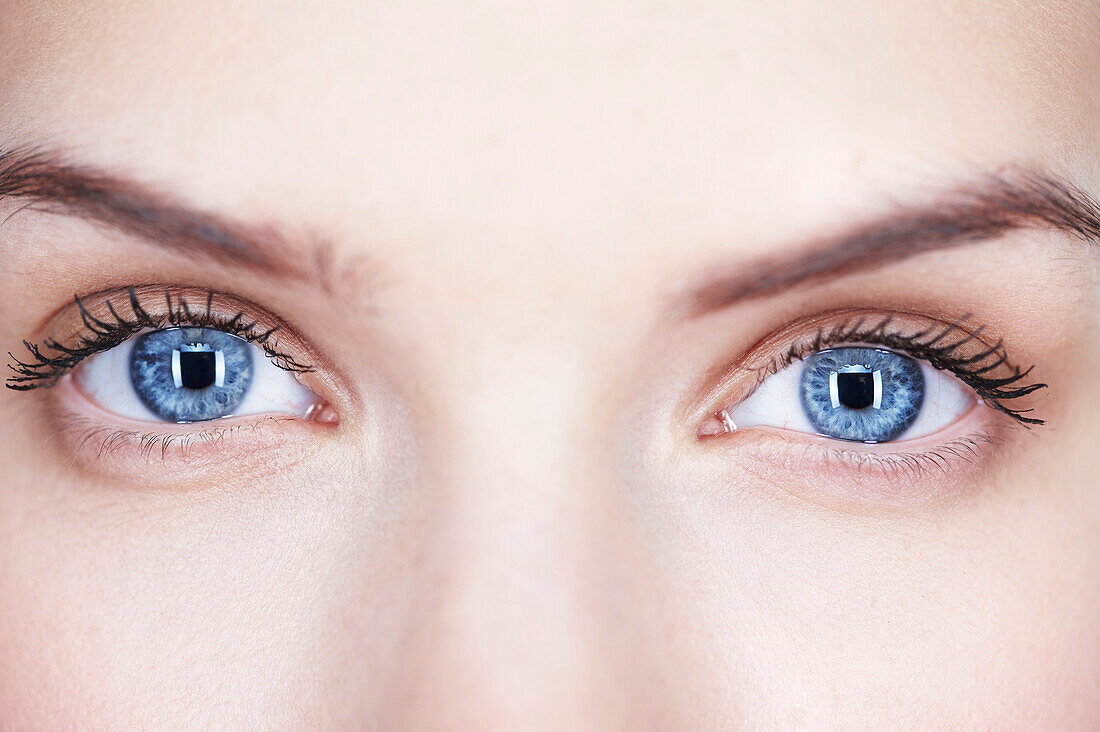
46, 183
1013, 198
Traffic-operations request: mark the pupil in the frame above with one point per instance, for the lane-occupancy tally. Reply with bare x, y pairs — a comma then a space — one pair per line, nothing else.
197, 369
856, 391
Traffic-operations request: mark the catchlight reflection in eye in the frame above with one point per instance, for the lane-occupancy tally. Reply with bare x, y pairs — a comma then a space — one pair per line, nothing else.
187, 375
857, 394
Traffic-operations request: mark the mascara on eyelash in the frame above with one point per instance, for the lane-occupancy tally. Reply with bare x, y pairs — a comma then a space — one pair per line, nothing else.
935, 345
45, 368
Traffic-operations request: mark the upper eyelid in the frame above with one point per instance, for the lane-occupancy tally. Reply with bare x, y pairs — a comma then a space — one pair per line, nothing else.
174, 308
790, 342
871, 330
937, 350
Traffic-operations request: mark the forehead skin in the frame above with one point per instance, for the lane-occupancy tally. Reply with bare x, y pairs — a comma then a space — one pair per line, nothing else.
523, 126
479, 154
561, 168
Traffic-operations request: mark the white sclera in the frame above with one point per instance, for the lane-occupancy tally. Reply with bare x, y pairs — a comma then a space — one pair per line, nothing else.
777, 403
105, 379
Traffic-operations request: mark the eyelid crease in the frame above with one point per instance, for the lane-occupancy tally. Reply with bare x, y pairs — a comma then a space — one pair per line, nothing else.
51, 359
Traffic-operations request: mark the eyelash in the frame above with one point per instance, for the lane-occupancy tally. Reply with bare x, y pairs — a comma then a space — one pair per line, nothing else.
913, 464
933, 345
45, 368
107, 439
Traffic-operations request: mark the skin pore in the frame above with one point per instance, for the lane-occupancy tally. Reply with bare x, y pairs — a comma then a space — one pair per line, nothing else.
528, 253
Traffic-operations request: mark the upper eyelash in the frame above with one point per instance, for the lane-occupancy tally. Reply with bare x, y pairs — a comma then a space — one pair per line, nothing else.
931, 344
43, 369
936, 346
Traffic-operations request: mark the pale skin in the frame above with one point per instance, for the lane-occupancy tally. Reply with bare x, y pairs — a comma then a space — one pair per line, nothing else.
513, 514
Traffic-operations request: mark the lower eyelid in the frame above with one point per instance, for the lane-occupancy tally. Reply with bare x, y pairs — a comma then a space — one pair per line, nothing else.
855, 476
151, 453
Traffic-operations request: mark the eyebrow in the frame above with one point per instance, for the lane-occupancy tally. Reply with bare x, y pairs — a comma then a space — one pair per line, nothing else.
49, 184
995, 204
1014, 198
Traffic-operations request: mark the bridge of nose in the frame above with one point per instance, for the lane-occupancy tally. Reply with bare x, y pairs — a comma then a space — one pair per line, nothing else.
522, 604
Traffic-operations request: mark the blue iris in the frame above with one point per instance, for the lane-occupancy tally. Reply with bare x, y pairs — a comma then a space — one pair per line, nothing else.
861, 394
190, 374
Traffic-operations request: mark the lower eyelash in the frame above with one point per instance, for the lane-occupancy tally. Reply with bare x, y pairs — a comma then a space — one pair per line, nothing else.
914, 465
44, 368
88, 434
843, 474
937, 345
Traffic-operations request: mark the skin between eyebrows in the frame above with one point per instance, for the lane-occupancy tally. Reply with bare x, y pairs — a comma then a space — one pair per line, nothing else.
996, 204
51, 185
1015, 198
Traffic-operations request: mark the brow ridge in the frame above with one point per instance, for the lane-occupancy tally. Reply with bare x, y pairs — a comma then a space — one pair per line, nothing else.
49, 184
997, 203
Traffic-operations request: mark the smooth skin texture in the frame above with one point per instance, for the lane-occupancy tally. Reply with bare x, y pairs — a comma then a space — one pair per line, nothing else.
515, 525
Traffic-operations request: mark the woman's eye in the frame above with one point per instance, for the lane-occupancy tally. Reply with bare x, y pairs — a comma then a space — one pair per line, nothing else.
190, 375
860, 394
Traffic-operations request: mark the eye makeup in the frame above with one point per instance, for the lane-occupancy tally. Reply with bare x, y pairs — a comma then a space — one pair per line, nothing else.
1003, 395
856, 394
947, 346
100, 401
48, 361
